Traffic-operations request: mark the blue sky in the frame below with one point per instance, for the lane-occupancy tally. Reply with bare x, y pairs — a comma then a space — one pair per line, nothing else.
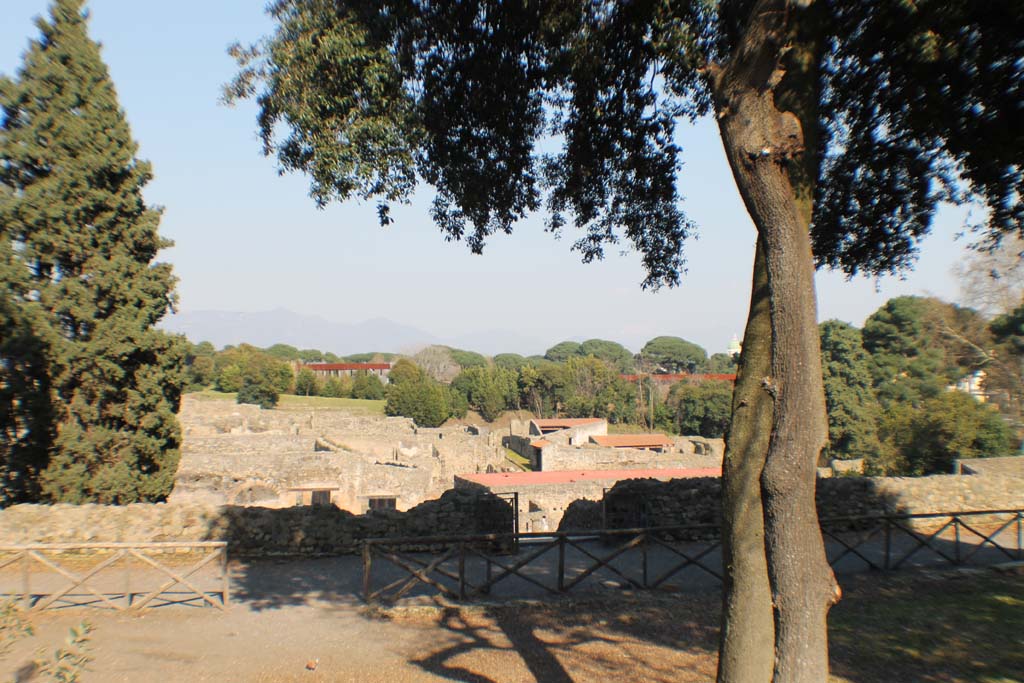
249, 240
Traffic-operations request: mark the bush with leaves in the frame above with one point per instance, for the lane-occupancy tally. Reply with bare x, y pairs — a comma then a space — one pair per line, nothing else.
367, 386
927, 439
702, 409
337, 387
423, 399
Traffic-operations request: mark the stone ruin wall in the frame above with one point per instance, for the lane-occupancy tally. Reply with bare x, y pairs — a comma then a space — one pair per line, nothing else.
686, 453
239, 454
309, 531
326, 530
684, 502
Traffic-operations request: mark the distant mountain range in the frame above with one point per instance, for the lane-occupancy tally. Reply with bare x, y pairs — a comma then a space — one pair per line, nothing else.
281, 326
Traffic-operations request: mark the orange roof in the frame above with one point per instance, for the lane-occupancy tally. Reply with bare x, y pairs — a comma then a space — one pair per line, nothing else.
566, 422
540, 443
632, 440
498, 479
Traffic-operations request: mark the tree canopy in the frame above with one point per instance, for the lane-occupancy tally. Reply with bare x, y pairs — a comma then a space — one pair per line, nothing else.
674, 354
82, 289
845, 124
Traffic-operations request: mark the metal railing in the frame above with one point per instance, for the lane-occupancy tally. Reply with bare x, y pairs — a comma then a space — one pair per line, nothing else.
469, 567
108, 582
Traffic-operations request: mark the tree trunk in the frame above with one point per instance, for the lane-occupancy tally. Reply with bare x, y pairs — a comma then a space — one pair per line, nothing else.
762, 143
746, 647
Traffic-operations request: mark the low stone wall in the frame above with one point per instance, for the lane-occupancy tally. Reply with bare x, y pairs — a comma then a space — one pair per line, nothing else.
253, 531
312, 531
683, 456
647, 502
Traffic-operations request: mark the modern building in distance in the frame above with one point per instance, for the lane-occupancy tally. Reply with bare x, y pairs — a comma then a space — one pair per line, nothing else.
325, 370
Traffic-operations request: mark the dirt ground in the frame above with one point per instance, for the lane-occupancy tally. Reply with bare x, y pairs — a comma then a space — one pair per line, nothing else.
619, 637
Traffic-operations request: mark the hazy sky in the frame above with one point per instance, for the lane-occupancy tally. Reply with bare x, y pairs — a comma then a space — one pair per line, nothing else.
249, 240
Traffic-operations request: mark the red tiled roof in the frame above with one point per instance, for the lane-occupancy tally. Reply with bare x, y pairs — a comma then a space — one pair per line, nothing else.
632, 440
540, 443
498, 479
324, 367
566, 422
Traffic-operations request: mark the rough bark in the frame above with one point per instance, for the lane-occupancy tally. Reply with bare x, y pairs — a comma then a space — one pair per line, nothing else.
762, 142
746, 648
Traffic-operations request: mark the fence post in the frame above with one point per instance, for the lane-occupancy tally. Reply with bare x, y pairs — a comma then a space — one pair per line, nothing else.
462, 570
225, 577
488, 582
128, 580
367, 560
643, 549
888, 541
26, 593
956, 546
561, 564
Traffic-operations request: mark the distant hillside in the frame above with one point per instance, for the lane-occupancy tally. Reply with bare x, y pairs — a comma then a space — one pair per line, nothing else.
281, 326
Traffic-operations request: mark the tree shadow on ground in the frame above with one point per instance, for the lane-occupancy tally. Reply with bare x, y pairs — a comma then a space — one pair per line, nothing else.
914, 627
567, 641
924, 627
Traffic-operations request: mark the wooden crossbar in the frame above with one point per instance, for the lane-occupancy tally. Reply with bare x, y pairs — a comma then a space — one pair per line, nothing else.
176, 578
988, 539
416, 575
687, 561
852, 548
12, 559
605, 562
75, 580
924, 542
514, 569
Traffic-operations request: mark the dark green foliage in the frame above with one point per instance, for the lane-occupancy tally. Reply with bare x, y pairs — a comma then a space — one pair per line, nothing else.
563, 351
261, 378
258, 393
306, 383
337, 387
1005, 375
233, 366
919, 346
721, 364
927, 439
284, 352
907, 97
610, 352
404, 370
509, 361
920, 103
369, 357
489, 391
853, 410
200, 367
72, 202
26, 409
367, 386
702, 409
468, 359
423, 399
673, 355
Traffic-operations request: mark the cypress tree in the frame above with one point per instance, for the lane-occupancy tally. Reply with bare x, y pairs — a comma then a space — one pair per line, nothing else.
73, 215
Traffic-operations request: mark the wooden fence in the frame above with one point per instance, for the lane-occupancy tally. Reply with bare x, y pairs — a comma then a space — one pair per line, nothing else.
468, 567
40, 563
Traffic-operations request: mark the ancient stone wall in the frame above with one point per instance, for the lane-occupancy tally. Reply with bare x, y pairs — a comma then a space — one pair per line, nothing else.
683, 455
240, 455
253, 531
683, 502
